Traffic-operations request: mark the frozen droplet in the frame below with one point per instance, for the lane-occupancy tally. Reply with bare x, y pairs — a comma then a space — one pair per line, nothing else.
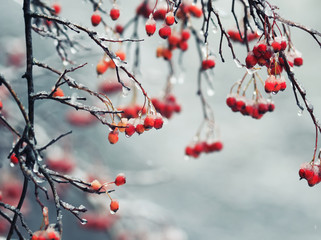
35, 168
300, 112
187, 158
181, 78
65, 63
112, 212
83, 221
11, 164
39, 158
73, 98
125, 91
214, 29
173, 80
311, 107
201, 32
73, 50
210, 92
238, 63
252, 70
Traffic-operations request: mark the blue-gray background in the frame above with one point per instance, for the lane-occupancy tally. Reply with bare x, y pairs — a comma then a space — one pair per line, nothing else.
250, 190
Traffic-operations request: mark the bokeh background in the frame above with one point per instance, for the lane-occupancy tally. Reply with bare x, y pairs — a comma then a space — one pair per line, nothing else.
249, 190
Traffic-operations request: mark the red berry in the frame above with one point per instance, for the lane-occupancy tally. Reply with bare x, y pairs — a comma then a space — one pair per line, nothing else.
158, 123
150, 26
1, 105
143, 10
165, 32
169, 19
58, 93
149, 123
183, 45
262, 48
276, 46
283, 45
231, 101
271, 107
130, 130
185, 35
199, 147
119, 29
114, 13
160, 14
196, 11
240, 104
56, 7
95, 185
114, 205
140, 128
14, 158
113, 136
250, 60
95, 19
52, 235
298, 61
101, 67
208, 63
120, 179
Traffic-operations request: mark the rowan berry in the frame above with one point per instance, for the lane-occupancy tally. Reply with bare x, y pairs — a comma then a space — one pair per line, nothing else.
165, 32
52, 235
120, 179
140, 128
57, 8
250, 60
113, 136
150, 26
298, 61
276, 46
58, 93
114, 13
114, 205
185, 35
196, 11
95, 185
102, 67
119, 29
130, 130
158, 123
169, 18
149, 122
95, 19
14, 159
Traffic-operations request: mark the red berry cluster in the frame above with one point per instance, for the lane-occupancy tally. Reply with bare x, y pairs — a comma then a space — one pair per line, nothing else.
110, 87
103, 65
274, 84
80, 118
166, 106
61, 164
208, 63
194, 150
237, 37
97, 186
311, 172
48, 234
248, 107
132, 111
138, 125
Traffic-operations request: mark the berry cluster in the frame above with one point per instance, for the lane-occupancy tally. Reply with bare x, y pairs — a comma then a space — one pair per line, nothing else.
167, 106
132, 111
61, 164
97, 186
114, 14
106, 63
175, 41
249, 107
237, 37
310, 172
138, 125
195, 149
80, 118
48, 234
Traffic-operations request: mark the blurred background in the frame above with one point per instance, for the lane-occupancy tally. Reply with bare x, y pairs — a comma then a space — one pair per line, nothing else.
249, 190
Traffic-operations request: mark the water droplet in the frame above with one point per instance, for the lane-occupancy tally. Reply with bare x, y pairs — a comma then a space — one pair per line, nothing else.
11, 165
73, 50
83, 221
300, 113
311, 107
112, 212
125, 91
173, 80
252, 70
214, 29
35, 168
238, 63
187, 158
181, 78
201, 32
39, 158
210, 92
65, 63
